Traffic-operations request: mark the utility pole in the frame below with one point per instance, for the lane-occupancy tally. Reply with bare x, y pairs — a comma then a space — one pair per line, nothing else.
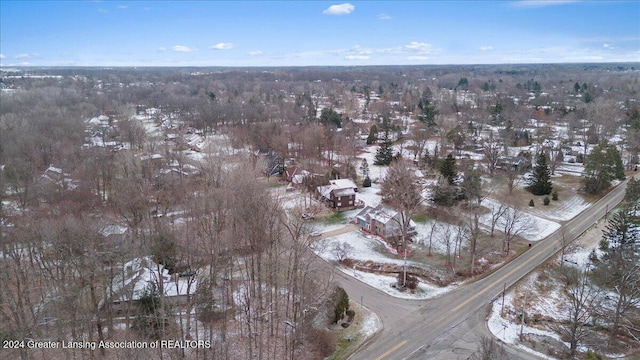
562, 256
522, 319
404, 266
504, 289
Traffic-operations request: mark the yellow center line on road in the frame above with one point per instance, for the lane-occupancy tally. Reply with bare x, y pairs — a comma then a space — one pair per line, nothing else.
576, 224
501, 279
391, 350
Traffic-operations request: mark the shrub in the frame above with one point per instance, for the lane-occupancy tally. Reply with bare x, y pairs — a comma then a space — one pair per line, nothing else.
546, 200
366, 182
531, 203
554, 196
411, 283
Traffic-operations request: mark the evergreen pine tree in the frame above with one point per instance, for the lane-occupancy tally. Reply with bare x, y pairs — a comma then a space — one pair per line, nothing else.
448, 169
613, 155
632, 193
384, 155
601, 166
618, 232
540, 182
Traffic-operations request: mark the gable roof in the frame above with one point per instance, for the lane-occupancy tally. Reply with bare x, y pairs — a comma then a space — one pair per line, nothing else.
381, 214
343, 183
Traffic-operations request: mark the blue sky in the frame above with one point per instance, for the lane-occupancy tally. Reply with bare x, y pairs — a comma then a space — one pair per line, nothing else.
301, 33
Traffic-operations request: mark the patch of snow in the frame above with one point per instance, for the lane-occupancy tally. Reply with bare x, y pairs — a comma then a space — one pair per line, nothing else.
439, 237
536, 229
370, 325
508, 331
384, 282
562, 210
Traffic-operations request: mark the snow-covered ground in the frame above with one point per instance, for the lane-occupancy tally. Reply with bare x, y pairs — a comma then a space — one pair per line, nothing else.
376, 172
359, 247
441, 232
384, 282
368, 247
535, 227
371, 324
509, 332
371, 195
562, 210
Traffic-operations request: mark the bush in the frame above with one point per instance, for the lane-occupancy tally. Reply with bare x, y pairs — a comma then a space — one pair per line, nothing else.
325, 342
531, 203
412, 281
546, 200
366, 182
554, 196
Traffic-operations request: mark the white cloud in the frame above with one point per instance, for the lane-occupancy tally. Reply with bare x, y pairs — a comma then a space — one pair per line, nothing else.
608, 46
162, 48
1, 56
123, 6
384, 16
182, 48
417, 46
418, 57
485, 48
356, 57
222, 46
255, 53
26, 56
541, 3
342, 9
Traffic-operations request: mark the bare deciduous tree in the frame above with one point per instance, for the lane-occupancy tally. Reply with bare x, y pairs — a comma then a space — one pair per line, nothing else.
492, 153
581, 298
514, 223
402, 192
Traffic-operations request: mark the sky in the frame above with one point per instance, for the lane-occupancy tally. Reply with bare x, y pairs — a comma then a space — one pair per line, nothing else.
316, 33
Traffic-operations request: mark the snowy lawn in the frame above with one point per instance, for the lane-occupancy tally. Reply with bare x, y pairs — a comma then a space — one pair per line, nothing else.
535, 228
562, 210
360, 247
371, 195
441, 232
367, 247
384, 282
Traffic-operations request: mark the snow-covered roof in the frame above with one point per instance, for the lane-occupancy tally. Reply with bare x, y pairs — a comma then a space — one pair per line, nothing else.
381, 214
339, 187
298, 178
343, 192
325, 191
343, 183
139, 273
113, 229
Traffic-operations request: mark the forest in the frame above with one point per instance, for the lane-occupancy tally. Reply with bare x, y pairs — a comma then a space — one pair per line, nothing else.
144, 204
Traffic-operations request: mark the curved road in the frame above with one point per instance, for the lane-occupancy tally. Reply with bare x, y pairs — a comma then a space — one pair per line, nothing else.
421, 329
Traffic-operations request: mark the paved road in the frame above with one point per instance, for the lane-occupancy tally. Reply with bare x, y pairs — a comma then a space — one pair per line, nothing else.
423, 329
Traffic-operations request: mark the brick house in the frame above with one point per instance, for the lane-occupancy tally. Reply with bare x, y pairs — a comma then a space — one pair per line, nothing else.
339, 194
